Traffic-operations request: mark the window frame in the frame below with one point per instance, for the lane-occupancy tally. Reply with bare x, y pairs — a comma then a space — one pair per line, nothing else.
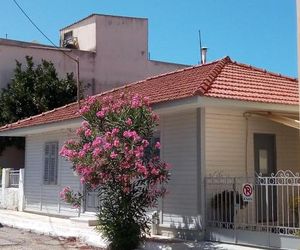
49, 177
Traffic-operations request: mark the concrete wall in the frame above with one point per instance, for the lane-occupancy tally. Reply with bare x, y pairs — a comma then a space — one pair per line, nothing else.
11, 197
11, 51
84, 32
226, 150
121, 45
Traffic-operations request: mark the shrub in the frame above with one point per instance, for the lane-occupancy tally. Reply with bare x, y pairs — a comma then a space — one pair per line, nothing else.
115, 155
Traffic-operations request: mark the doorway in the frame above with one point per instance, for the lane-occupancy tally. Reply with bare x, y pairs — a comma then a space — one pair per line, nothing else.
265, 165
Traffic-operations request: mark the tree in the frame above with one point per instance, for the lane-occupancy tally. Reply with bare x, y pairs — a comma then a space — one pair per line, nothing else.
33, 89
114, 154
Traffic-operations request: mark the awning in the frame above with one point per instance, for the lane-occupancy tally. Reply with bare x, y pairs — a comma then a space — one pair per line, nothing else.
287, 119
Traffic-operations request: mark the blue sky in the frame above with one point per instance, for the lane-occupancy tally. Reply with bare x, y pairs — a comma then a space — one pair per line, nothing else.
257, 32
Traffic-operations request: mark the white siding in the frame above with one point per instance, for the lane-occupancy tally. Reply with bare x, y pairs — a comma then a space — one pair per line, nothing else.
225, 142
179, 148
40, 197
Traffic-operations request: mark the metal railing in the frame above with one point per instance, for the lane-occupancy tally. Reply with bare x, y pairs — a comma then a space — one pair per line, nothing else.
14, 176
274, 206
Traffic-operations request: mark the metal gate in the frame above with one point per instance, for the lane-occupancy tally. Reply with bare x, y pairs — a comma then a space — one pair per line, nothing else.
91, 200
269, 218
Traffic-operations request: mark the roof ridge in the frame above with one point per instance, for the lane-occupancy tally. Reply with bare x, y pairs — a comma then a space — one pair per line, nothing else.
160, 75
265, 71
205, 85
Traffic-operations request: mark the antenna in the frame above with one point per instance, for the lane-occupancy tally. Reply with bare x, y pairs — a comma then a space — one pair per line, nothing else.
200, 42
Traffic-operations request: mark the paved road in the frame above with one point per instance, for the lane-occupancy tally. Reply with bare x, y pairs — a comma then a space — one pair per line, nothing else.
15, 239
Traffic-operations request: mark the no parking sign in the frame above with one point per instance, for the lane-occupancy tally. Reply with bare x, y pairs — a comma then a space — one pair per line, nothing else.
248, 192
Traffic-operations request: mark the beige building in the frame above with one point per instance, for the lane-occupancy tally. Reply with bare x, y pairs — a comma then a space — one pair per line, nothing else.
112, 51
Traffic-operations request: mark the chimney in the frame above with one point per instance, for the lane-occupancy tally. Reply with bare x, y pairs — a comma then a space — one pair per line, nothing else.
203, 54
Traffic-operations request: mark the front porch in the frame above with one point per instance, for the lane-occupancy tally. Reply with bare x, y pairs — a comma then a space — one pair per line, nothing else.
269, 217
261, 149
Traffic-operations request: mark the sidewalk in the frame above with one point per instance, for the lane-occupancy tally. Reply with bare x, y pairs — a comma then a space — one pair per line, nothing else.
51, 226
59, 227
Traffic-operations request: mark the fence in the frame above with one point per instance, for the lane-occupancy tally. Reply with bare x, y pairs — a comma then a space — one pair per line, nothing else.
14, 178
274, 208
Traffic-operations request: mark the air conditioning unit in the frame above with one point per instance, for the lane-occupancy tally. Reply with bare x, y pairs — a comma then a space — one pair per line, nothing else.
69, 41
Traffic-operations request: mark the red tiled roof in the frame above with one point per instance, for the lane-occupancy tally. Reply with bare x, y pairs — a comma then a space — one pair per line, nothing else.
220, 79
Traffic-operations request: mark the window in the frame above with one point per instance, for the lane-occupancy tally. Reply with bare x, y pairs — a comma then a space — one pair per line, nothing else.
51, 160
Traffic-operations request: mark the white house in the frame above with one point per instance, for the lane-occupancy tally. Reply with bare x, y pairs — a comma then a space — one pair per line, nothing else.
221, 123
112, 50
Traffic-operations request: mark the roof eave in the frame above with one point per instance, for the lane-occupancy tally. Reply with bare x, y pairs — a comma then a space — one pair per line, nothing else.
162, 108
42, 128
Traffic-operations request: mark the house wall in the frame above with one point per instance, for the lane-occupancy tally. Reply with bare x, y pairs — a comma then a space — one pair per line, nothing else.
10, 51
225, 142
45, 198
179, 148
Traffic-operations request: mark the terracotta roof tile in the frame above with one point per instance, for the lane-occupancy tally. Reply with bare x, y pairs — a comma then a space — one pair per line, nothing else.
220, 79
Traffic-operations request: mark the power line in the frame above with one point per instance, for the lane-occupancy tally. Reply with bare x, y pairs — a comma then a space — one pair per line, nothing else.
76, 60
37, 27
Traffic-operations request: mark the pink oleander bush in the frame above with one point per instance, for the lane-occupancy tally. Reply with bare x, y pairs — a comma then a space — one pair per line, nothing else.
115, 154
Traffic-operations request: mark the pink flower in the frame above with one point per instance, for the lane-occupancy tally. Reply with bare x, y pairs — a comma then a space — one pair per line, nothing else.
100, 114
82, 180
96, 152
85, 124
154, 171
84, 110
116, 143
79, 131
129, 122
145, 143
63, 193
81, 153
113, 155
126, 134
136, 101
91, 100
115, 131
157, 145
107, 146
146, 100
155, 117
86, 147
88, 133
142, 169
97, 142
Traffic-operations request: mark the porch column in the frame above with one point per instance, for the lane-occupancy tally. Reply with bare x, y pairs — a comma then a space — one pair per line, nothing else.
21, 190
5, 184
